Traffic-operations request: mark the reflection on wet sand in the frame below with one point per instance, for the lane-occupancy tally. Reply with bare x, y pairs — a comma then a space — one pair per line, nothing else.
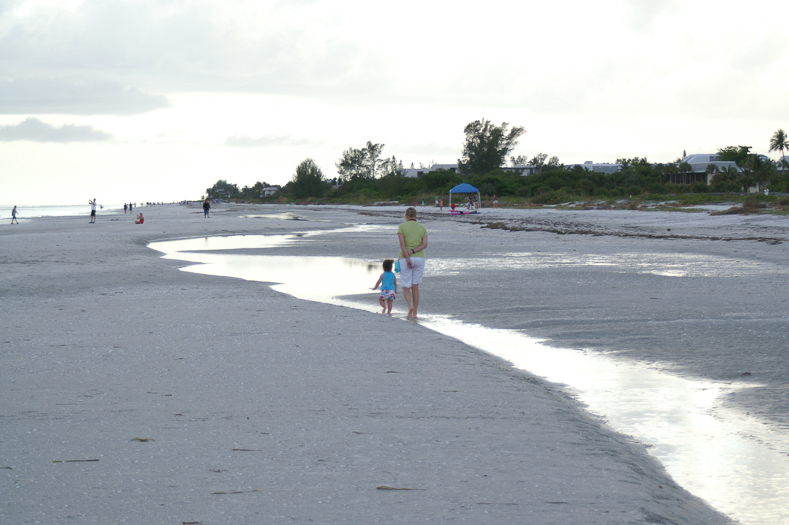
287, 216
724, 457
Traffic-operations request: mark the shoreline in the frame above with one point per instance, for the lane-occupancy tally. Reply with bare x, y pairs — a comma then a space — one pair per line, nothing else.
128, 347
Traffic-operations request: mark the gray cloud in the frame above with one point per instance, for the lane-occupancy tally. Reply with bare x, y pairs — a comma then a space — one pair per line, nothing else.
37, 131
243, 141
8, 5
640, 14
190, 46
50, 96
206, 46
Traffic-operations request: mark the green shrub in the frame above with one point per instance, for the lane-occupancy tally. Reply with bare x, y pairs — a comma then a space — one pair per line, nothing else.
553, 197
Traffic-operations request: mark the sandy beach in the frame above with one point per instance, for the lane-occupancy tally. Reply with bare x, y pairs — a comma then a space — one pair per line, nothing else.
133, 392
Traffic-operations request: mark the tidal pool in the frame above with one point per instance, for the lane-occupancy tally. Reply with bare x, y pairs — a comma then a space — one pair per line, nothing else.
728, 458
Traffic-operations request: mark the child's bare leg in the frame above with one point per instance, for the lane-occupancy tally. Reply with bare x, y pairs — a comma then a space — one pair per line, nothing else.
383, 304
389, 305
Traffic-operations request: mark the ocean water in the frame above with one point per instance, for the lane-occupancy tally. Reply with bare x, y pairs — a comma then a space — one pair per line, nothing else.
36, 212
730, 458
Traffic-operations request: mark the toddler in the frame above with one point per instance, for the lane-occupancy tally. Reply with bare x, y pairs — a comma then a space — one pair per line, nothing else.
388, 282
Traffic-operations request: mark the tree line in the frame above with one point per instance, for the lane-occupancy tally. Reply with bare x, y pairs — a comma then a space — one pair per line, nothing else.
364, 174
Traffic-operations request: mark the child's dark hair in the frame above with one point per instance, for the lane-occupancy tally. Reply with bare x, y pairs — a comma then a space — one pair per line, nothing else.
388, 265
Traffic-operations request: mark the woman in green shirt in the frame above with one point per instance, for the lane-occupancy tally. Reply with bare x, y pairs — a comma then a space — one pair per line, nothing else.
413, 241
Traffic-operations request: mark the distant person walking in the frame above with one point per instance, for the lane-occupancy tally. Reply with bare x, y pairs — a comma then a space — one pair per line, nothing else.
92, 211
413, 241
206, 209
14, 213
388, 282
495, 201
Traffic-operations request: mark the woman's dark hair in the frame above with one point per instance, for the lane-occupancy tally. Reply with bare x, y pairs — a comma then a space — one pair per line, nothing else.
388, 265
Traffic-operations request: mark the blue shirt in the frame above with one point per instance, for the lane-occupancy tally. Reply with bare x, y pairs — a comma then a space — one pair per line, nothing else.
388, 281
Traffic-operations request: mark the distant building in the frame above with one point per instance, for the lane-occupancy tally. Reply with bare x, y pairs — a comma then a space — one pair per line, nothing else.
523, 169
700, 161
269, 191
418, 172
597, 167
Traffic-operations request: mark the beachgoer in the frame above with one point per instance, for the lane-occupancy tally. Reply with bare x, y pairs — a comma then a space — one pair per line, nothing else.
13, 216
413, 241
388, 282
140, 219
206, 209
125, 207
441, 205
495, 201
92, 211
436, 201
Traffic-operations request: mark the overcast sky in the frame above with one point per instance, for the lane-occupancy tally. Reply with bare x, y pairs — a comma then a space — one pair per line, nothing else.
157, 100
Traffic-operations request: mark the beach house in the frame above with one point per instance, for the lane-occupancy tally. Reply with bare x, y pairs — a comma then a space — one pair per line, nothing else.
699, 162
597, 167
418, 172
412, 172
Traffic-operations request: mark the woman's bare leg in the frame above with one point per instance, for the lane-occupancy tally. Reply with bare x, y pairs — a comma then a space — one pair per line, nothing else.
415, 299
407, 295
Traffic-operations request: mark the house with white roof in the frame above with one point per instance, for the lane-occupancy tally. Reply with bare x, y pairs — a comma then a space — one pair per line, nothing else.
418, 172
700, 161
597, 167
523, 170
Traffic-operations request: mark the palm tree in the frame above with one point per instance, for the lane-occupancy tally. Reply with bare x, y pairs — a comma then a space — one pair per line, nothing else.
760, 170
779, 142
685, 169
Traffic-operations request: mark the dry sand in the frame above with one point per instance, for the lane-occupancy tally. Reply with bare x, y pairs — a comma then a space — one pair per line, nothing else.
135, 393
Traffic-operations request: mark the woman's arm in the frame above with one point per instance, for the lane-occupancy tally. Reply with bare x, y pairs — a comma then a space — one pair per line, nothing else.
405, 251
422, 245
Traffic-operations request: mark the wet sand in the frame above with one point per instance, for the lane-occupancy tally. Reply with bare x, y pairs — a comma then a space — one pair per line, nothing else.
216, 400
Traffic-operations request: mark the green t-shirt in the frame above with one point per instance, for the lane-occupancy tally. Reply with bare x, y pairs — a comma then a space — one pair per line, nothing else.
413, 232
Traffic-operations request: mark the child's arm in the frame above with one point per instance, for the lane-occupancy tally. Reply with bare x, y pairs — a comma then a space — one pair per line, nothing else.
378, 281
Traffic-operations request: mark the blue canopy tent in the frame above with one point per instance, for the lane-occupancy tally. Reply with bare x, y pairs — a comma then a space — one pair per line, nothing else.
465, 189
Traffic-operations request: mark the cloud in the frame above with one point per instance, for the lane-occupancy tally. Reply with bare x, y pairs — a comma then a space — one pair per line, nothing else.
243, 141
610, 56
641, 15
34, 130
193, 46
54, 96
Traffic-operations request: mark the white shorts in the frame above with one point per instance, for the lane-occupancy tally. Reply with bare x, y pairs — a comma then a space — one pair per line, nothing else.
410, 276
